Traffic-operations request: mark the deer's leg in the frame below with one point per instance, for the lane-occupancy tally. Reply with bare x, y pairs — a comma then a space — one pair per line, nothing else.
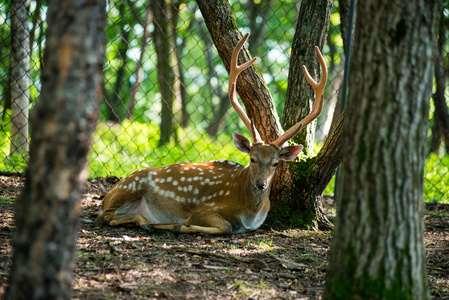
111, 219
211, 223
178, 228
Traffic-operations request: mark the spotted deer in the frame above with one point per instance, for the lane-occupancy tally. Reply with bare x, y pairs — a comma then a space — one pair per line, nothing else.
217, 197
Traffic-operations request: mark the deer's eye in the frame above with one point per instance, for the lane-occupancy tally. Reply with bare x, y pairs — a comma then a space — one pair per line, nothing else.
275, 164
253, 161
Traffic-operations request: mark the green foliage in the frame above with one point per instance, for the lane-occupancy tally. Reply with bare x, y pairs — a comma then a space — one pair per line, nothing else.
436, 183
8, 162
120, 149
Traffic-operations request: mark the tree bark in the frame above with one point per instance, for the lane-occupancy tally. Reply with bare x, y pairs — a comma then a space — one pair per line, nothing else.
440, 128
47, 212
378, 249
295, 194
20, 79
311, 30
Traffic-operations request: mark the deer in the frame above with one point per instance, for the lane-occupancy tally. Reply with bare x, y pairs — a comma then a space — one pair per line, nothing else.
218, 197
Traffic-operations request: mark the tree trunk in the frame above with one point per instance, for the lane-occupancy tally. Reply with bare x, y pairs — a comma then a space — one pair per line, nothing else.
257, 26
332, 95
440, 128
220, 113
139, 73
311, 30
47, 212
298, 186
20, 80
116, 105
168, 77
295, 195
378, 249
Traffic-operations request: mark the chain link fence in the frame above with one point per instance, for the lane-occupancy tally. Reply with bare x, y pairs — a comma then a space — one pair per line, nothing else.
164, 94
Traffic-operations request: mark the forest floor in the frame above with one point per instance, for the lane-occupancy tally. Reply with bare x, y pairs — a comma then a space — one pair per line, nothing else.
131, 263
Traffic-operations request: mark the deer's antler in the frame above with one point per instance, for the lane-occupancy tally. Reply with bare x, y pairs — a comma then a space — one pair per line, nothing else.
233, 74
317, 106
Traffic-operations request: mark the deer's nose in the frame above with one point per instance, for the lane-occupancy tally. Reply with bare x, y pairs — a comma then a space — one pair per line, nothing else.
261, 185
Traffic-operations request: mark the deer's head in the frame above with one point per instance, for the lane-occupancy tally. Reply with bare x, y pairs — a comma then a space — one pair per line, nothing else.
264, 157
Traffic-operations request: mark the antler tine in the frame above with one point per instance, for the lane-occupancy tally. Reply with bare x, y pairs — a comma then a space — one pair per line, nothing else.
233, 74
318, 88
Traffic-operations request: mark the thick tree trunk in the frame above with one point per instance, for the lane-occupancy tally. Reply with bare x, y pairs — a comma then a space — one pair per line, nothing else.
47, 212
19, 80
295, 194
311, 30
378, 250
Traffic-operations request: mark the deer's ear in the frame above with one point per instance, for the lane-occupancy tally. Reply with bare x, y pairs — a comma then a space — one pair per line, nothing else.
290, 152
241, 143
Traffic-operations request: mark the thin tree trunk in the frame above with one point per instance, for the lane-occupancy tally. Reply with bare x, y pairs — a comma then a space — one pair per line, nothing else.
257, 25
378, 249
47, 212
37, 22
164, 35
20, 79
5, 81
220, 113
440, 128
139, 68
116, 104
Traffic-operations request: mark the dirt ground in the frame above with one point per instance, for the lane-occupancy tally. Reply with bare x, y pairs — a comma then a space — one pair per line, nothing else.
131, 263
